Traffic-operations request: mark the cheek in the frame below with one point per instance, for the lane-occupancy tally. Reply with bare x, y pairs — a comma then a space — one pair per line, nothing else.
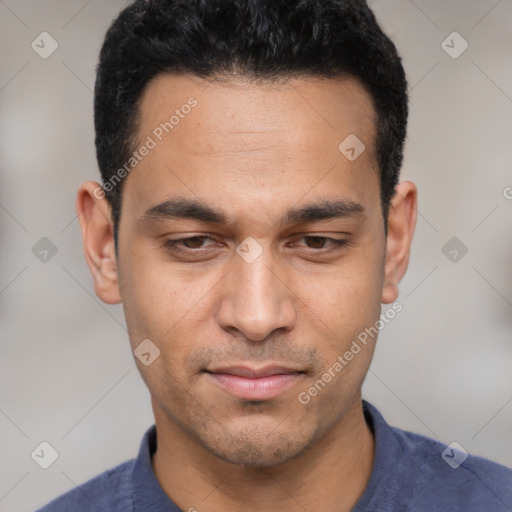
349, 295
171, 309
341, 312
155, 296
157, 306
342, 306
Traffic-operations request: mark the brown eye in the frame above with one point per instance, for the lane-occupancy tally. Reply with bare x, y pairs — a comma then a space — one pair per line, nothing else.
318, 242
194, 242
187, 244
322, 243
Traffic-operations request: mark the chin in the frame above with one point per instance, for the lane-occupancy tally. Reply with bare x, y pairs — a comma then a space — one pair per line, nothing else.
250, 453
257, 446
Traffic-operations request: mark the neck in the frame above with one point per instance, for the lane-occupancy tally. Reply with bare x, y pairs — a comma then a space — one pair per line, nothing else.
331, 475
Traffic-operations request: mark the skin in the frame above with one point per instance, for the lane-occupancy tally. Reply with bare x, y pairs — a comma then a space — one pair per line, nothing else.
253, 152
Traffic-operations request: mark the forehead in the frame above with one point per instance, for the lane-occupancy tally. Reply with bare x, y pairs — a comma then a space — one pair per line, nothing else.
241, 135
334, 103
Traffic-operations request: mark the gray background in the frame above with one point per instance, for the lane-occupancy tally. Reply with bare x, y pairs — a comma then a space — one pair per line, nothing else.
442, 366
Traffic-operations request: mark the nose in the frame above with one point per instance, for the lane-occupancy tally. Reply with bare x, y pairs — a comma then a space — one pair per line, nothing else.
256, 299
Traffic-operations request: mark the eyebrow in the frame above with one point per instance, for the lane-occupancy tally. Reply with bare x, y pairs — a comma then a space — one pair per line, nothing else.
185, 208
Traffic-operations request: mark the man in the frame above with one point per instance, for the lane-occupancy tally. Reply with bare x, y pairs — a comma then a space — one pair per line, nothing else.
252, 223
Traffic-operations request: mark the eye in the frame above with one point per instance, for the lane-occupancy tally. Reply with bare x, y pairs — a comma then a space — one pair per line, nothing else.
318, 242
196, 244
187, 244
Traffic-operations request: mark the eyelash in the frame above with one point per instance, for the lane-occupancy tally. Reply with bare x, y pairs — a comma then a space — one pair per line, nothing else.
174, 245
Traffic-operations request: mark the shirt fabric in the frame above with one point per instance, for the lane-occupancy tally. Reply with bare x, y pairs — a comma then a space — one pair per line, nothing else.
411, 473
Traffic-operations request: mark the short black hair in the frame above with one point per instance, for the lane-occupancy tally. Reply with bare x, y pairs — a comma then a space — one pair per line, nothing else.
260, 39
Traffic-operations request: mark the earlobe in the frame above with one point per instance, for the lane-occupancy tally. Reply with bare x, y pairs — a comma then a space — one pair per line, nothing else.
96, 227
401, 223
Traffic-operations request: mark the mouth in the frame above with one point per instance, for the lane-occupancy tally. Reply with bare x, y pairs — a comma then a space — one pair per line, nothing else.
248, 383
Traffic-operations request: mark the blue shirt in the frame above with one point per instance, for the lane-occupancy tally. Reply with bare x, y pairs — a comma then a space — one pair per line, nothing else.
410, 473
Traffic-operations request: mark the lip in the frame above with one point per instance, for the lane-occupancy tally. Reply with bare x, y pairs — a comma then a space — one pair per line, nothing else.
249, 383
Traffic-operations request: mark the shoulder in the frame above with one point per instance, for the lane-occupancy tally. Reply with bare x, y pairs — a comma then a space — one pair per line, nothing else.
453, 476
412, 472
110, 491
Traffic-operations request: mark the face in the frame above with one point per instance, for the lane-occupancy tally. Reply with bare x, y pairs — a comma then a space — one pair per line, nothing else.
252, 254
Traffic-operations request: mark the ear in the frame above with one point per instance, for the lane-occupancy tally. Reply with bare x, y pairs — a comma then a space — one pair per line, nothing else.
401, 223
98, 240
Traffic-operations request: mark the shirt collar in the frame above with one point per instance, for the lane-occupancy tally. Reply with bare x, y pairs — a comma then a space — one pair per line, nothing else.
392, 467
148, 495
